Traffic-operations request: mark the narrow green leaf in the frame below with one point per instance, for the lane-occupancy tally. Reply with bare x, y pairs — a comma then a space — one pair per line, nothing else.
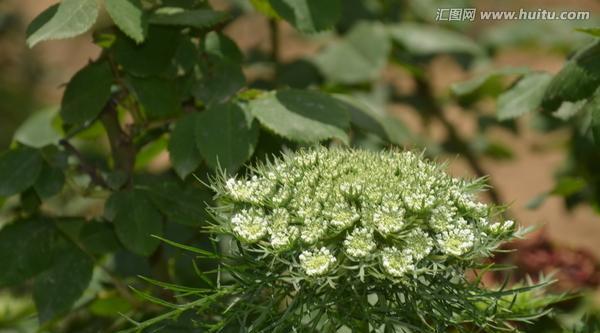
302, 115
27, 247
136, 220
150, 58
19, 169
524, 97
87, 93
421, 39
72, 18
56, 290
577, 80
196, 18
129, 16
159, 97
359, 57
41, 19
308, 16
182, 146
49, 182
226, 136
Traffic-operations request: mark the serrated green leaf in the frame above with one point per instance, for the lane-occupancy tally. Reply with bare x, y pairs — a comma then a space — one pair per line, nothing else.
179, 203
475, 84
135, 220
129, 16
577, 80
226, 136
196, 18
222, 80
302, 115
524, 97
19, 169
308, 16
150, 58
56, 290
221, 46
72, 18
183, 152
359, 57
158, 96
87, 93
49, 182
27, 247
39, 129
421, 39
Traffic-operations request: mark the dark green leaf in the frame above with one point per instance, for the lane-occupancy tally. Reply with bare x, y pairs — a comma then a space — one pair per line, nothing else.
196, 18
577, 80
86, 93
593, 107
19, 169
136, 220
567, 186
221, 81
524, 97
72, 18
150, 58
308, 15
49, 182
27, 248
183, 152
423, 39
220, 46
359, 57
41, 19
56, 290
302, 115
226, 136
180, 204
129, 17
98, 238
39, 129
159, 97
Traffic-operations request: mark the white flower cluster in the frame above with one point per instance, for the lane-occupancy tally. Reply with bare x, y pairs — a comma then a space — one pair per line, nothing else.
388, 209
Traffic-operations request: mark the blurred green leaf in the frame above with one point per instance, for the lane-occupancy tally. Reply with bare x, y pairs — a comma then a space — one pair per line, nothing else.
577, 80
567, 186
181, 204
98, 238
19, 169
264, 7
86, 93
39, 129
590, 31
308, 16
56, 290
27, 247
197, 18
593, 107
135, 220
221, 46
49, 182
72, 18
182, 146
226, 136
524, 97
112, 306
302, 115
150, 58
129, 17
359, 57
41, 19
158, 96
421, 39
475, 85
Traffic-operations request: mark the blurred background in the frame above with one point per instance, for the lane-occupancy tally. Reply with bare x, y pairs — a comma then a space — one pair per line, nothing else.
522, 161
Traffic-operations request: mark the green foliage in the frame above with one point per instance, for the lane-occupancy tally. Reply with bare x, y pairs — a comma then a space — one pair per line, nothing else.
19, 168
524, 97
129, 17
308, 15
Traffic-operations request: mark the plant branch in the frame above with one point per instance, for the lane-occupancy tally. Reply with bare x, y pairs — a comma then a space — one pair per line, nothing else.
84, 166
121, 144
275, 45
